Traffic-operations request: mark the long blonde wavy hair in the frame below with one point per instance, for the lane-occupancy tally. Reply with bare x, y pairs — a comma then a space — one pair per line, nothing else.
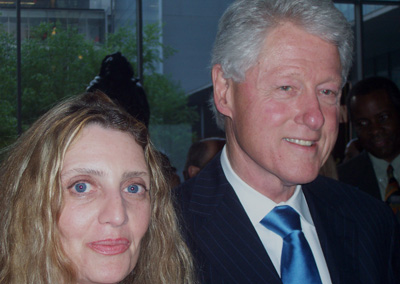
31, 200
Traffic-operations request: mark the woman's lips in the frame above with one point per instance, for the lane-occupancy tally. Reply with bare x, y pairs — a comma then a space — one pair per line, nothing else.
110, 246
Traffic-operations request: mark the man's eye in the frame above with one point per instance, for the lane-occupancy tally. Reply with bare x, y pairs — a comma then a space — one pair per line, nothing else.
383, 118
135, 188
81, 187
328, 92
329, 96
286, 88
361, 123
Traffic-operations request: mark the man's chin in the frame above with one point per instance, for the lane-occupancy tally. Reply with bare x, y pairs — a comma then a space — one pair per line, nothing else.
304, 178
385, 154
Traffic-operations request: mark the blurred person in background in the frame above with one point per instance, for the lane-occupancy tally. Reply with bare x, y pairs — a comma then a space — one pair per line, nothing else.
374, 110
116, 79
200, 153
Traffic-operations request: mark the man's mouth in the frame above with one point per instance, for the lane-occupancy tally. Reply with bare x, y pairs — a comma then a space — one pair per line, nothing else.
300, 142
381, 142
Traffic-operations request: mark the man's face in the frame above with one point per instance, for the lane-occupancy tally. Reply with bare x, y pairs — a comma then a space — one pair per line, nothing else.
377, 124
284, 115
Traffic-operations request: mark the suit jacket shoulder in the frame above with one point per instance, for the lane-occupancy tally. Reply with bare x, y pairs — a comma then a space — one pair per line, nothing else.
359, 172
225, 244
357, 233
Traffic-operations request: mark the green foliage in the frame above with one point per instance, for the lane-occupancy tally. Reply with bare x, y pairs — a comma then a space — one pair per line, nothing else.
8, 124
170, 120
173, 140
58, 62
124, 40
168, 101
55, 64
8, 87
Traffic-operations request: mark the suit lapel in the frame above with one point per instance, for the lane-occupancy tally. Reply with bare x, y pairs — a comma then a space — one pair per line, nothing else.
368, 176
336, 232
224, 232
365, 175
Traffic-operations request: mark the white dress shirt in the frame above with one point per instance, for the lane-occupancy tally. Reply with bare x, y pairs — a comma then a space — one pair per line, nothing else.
257, 206
380, 168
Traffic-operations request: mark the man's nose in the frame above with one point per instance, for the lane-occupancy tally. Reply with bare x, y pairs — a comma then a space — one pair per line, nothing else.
310, 113
375, 128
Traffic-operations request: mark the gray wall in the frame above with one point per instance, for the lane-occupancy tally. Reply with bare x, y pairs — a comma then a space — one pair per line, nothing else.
190, 27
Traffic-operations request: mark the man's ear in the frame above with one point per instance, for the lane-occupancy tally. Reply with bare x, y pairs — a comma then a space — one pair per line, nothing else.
223, 89
193, 170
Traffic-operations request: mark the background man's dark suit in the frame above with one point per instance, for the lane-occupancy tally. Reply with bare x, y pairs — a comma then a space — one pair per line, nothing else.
359, 172
356, 244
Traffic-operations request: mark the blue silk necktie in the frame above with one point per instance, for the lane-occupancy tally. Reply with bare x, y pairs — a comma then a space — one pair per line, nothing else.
297, 262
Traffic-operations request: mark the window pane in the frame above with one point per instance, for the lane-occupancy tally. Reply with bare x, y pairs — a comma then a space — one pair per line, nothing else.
347, 10
8, 73
395, 67
366, 1
381, 39
65, 41
63, 45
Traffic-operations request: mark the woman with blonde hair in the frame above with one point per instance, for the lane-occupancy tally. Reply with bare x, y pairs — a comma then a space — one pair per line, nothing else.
84, 200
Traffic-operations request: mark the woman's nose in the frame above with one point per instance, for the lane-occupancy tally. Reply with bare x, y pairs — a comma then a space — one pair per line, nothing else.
113, 210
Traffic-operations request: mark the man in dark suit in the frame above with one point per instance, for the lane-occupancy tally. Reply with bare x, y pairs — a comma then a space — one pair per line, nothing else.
359, 172
374, 109
258, 213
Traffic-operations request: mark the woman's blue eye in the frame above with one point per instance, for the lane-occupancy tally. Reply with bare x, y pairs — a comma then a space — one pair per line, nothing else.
133, 188
80, 187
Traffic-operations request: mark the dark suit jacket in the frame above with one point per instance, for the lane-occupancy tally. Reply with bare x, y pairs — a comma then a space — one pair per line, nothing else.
358, 234
359, 172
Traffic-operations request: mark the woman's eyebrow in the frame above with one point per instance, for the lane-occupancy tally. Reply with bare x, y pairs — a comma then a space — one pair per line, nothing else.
100, 173
133, 174
86, 171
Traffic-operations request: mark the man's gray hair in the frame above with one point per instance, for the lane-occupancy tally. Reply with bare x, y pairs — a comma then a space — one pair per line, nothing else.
245, 24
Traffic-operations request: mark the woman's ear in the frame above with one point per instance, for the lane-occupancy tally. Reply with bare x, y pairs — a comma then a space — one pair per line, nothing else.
223, 89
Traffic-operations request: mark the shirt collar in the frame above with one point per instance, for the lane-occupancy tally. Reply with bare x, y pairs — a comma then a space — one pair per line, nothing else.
396, 165
258, 205
380, 165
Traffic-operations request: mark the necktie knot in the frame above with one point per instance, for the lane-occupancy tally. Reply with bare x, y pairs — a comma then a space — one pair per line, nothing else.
283, 220
392, 188
392, 192
297, 261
